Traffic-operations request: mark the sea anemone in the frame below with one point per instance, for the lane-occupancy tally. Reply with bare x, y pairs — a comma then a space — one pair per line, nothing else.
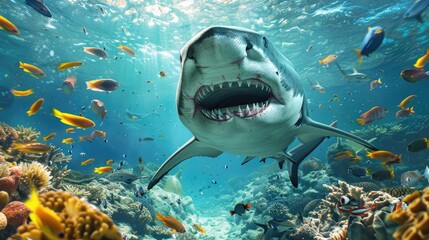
35, 174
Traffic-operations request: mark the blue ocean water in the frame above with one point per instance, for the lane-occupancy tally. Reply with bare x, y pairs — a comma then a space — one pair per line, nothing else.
157, 30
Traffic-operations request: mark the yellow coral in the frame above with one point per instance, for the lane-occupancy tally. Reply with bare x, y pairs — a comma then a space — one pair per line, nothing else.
81, 220
35, 174
414, 221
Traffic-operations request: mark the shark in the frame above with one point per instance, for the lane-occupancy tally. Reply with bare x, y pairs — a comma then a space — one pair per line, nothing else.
237, 93
355, 76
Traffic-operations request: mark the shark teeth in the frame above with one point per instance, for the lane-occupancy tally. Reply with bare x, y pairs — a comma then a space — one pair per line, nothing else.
242, 111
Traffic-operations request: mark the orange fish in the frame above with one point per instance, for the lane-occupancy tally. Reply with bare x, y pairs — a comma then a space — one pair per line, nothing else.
22, 93
199, 228
346, 155
374, 84
8, 26
35, 107
32, 70
102, 85
67, 140
404, 103
171, 222
371, 115
101, 170
405, 112
73, 120
386, 156
67, 65
110, 161
70, 130
420, 63
328, 59
98, 134
49, 136
33, 147
87, 161
127, 50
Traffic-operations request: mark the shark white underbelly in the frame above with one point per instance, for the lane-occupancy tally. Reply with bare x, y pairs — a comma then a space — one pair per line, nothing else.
238, 94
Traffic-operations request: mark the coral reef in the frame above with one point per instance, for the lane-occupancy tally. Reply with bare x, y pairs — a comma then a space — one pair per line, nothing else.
4, 199
81, 220
277, 211
76, 177
4, 169
7, 136
91, 192
58, 175
414, 220
367, 186
16, 213
26, 134
3, 221
380, 130
33, 174
398, 191
312, 164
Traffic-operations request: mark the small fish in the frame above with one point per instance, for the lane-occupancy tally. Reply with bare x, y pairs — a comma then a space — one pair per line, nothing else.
98, 134
146, 139
361, 211
67, 65
109, 162
335, 99
101, 170
84, 31
416, 10
102, 85
395, 207
420, 63
317, 87
374, 84
121, 165
127, 50
240, 209
8, 26
214, 182
418, 145
309, 48
344, 155
96, 52
67, 140
140, 160
47, 221
414, 75
102, 10
68, 85
87, 161
82, 154
32, 70
35, 107
384, 174
97, 107
140, 192
104, 203
328, 59
388, 157
371, 42
374, 113
199, 228
404, 103
70, 130
73, 120
86, 138
49, 136
22, 93
405, 112
40, 7
162, 73
33, 147
356, 76
171, 222
358, 171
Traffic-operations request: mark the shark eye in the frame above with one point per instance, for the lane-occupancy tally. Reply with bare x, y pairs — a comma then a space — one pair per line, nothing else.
408, 179
265, 42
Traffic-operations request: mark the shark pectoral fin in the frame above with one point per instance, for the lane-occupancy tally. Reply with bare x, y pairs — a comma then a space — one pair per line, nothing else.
299, 153
190, 149
247, 159
311, 130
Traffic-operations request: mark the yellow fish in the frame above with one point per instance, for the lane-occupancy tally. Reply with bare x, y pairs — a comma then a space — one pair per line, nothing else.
49, 136
127, 50
68, 140
73, 120
328, 59
110, 161
70, 130
86, 162
22, 93
8, 26
35, 107
199, 228
32, 70
404, 103
45, 219
33, 147
101, 170
420, 63
67, 65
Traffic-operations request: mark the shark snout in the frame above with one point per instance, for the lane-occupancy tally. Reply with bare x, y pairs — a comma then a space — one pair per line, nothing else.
218, 47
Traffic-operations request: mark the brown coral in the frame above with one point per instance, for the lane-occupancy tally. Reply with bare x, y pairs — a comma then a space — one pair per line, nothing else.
16, 213
26, 134
4, 199
414, 221
81, 220
35, 174
7, 136
9, 184
398, 191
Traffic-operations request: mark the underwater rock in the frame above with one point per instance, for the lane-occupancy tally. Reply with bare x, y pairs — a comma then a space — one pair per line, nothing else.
383, 227
4, 199
9, 184
310, 206
172, 183
357, 230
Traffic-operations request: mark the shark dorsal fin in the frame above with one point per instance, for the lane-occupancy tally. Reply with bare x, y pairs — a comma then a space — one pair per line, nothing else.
355, 70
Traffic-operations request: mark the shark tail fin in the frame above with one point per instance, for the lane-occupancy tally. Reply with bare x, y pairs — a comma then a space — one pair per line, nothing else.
358, 52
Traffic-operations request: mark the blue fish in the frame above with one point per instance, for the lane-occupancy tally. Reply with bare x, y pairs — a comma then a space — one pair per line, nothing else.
371, 42
416, 10
39, 6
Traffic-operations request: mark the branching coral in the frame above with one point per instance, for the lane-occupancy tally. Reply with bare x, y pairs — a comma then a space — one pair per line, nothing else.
27, 134
55, 155
90, 192
343, 188
398, 191
76, 177
76, 190
33, 174
4, 170
58, 175
380, 130
81, 220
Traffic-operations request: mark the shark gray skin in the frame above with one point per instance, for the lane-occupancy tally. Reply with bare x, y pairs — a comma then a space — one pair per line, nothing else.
416, 10
355, 76
238, 94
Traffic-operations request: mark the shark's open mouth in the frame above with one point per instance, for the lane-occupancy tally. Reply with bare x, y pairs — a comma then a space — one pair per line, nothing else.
243, 99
